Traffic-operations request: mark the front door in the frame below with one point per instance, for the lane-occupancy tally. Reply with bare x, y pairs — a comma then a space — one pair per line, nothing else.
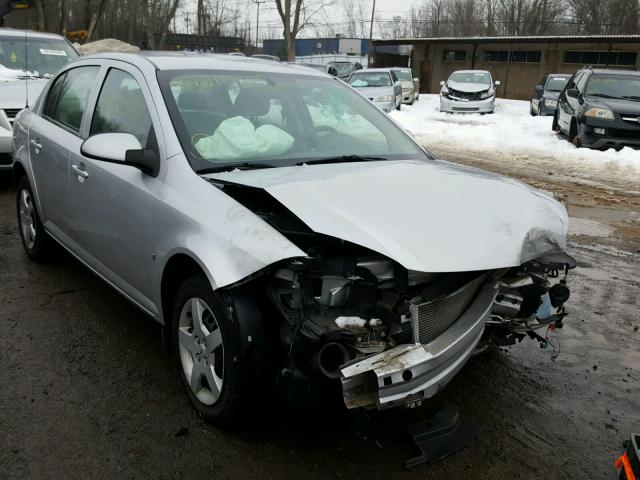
425, 77
112, 203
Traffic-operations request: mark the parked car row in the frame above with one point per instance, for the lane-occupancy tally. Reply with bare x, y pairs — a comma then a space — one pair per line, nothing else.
597, 107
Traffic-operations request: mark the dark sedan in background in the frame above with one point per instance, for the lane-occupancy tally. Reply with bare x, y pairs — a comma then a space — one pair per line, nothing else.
545, 95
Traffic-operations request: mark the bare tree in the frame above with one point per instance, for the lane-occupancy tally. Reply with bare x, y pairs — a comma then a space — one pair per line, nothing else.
97, 11
296, 15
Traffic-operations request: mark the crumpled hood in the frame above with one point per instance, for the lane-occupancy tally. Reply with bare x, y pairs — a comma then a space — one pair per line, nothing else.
373, 92
429, 216
468, 87
13, 92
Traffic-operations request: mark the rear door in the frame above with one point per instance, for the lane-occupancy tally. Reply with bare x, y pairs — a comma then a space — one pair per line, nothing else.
113, 203
51, 135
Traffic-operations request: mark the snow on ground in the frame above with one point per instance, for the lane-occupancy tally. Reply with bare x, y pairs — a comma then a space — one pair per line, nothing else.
510, 133
106, 45
588, 228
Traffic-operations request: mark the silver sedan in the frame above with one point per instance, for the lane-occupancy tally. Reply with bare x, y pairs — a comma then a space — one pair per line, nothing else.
285, 233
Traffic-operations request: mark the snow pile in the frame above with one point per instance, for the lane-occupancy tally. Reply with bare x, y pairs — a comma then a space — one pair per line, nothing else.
106, 45
509, 133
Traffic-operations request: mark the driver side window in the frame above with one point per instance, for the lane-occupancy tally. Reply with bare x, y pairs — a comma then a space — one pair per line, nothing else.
121, 108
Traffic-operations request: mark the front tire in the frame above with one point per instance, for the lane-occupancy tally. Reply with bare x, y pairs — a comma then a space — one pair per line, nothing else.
36, 241
211, 365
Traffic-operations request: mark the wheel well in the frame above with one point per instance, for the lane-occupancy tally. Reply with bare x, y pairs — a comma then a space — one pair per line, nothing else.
18, 172
176, 271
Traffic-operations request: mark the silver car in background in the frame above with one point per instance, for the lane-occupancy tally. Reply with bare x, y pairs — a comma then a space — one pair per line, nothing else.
25, 68
287, 235
468, 91
410, 85
380, 85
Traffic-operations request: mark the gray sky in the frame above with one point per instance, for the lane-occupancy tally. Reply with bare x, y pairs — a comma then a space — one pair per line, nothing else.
269, 19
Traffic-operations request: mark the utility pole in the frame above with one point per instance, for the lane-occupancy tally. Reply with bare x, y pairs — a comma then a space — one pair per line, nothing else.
373, 16
258, 3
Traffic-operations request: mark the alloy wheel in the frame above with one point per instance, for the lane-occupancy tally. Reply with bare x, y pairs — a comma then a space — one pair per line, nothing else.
201, 350
27, 220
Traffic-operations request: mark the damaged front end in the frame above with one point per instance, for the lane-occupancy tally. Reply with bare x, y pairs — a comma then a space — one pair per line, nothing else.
391, 299
395, 337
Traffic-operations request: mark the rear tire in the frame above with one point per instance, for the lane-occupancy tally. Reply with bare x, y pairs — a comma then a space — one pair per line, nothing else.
36, 241
531, 110
214, 372
399, 107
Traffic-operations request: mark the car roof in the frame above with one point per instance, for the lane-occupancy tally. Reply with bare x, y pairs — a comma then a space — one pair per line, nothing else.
386, 70
14, 32
204, 61
564, 75
471, 71
613, 71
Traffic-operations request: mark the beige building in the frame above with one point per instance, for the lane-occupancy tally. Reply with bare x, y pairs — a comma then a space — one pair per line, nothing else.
518, 62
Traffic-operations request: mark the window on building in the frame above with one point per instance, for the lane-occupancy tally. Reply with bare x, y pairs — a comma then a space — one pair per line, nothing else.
515, 56
455, 56
601, 58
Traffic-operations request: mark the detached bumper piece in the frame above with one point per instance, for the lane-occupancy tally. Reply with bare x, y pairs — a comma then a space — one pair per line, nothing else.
440, 436
629, 461
410, 373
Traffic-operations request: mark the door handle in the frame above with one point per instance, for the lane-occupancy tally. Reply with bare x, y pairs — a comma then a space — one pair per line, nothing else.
37, 146
80, 171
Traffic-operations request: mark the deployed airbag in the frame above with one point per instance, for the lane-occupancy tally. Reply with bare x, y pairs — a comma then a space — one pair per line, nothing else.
236, 138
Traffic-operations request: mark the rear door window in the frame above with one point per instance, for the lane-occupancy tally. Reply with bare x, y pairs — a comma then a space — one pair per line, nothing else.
67, 98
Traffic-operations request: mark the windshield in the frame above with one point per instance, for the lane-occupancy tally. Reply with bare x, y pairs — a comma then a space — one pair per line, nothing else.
556, 84
223, 118
44, 56
614, 86
482, 78
343, 68
404, 75
370, 79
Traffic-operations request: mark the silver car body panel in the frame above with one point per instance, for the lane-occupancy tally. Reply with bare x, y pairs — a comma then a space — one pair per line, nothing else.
474, 230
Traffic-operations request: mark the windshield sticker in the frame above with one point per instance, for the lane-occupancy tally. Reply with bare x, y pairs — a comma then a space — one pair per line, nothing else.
58, 53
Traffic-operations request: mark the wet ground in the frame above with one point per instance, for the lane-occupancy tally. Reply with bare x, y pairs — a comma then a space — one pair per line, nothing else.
86, 390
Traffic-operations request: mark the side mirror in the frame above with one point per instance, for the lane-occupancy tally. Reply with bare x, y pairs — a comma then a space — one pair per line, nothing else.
416, 79
442, 83
497, 83
573, 92
122, 148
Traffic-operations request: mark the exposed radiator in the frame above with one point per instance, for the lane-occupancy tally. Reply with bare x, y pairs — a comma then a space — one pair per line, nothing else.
432, 318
